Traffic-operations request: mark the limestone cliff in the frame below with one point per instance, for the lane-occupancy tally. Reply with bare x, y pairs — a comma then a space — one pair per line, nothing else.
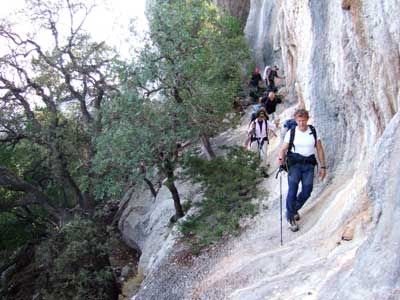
238, 8
341, 59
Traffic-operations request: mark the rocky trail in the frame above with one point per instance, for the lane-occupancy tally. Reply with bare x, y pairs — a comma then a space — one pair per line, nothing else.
257, 265
333, 225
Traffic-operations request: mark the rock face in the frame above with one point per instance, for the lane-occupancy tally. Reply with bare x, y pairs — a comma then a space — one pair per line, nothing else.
263, 33
145, 222
344, 64
341, 60
238, 8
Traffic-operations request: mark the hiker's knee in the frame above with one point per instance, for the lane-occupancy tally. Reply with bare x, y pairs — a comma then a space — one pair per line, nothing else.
306, 191
292, 189
308, 177
294, 175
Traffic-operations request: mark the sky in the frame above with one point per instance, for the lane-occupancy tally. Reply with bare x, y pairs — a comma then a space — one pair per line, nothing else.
109, 22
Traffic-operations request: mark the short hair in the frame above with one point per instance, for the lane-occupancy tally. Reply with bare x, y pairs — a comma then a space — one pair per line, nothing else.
301, 112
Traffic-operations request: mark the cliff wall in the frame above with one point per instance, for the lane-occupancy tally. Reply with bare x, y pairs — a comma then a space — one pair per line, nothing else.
238, 8
341, 60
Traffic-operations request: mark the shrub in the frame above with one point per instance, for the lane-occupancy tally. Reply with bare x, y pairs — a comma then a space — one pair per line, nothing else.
77, 264
15, 232
230, 183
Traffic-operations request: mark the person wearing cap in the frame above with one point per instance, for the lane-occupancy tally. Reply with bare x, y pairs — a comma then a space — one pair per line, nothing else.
270, 80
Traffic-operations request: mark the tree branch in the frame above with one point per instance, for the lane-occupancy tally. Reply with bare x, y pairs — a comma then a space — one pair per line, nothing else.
12, 182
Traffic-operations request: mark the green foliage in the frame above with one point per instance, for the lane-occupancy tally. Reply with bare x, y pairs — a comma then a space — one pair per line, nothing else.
230, 183
21, 158
194, 69
53, 93
76, 264
197, 60
13, 231
136, 131
19, 225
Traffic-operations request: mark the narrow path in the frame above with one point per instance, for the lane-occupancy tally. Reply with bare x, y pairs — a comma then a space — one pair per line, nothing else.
255, 265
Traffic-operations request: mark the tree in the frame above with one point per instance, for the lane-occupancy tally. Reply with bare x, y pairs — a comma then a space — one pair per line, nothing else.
138, 132
196, 63
52, 88
176, 92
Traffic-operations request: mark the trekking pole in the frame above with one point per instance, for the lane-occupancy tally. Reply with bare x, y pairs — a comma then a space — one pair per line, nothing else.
280, 198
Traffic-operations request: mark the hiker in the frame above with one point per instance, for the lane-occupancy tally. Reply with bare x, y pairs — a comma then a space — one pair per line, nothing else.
265, 73
270, 102
299, 146
259, 131
271, 74
254, 83
256, 109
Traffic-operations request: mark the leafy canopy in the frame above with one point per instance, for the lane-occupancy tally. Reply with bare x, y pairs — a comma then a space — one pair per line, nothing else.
196, 60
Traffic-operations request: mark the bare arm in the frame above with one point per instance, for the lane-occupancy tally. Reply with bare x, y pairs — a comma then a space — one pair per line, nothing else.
272, 128
321, 158
282, 153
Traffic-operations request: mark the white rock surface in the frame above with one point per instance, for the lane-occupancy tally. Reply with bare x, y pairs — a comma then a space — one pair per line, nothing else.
145, 223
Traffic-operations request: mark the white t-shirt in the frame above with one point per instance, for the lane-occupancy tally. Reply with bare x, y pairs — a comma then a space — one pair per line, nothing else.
304, 142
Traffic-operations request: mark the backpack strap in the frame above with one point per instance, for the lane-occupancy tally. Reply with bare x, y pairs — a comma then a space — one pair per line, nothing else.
292, 133
291, 139
314, 133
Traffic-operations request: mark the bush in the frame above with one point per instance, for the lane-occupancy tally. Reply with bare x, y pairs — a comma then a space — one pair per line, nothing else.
77, 264
230, 183
15, 232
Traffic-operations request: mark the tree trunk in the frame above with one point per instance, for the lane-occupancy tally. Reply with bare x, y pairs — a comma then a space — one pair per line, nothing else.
168, 167
170, 184
175, 196
207, 146
151, 187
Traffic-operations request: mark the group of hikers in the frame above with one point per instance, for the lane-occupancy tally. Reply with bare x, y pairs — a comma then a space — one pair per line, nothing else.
256, 83
301, 149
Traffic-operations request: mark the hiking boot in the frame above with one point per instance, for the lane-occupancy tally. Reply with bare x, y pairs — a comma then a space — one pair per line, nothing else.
296, 217
293, 225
